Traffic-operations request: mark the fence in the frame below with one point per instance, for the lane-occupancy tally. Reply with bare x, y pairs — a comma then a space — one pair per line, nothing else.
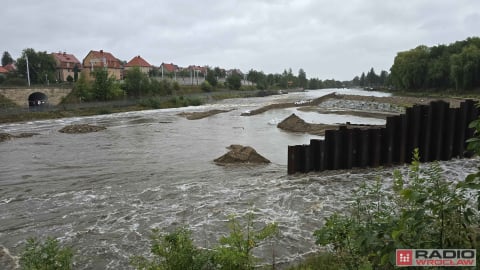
438, 131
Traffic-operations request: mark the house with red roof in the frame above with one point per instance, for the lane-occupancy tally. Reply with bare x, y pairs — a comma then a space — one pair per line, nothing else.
66, 65
170, 68
11, 67
139, 62
7, 69
198, 69
102, 59
3, 71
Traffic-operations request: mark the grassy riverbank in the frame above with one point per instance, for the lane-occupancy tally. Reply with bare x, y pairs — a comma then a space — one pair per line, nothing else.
10, 112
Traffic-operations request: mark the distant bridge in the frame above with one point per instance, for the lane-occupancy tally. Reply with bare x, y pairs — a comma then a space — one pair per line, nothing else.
35, 96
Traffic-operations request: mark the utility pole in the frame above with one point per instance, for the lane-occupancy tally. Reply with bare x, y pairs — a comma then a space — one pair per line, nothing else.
28, 70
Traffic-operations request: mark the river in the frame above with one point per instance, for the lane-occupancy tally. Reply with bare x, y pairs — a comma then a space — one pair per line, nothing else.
102, 193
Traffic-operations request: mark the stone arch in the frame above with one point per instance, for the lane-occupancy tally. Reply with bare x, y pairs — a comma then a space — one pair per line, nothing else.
37, 99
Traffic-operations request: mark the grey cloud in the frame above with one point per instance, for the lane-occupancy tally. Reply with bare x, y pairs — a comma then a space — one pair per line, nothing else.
326, 38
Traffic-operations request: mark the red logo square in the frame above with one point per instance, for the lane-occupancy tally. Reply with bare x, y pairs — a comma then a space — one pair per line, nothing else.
404, 257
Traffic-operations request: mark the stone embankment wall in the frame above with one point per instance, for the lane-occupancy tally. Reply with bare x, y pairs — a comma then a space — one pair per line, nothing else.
20, 95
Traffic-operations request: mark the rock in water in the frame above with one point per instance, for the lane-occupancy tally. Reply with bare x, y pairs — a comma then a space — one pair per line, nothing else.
85, 128
6, 136
294, 123
241, 154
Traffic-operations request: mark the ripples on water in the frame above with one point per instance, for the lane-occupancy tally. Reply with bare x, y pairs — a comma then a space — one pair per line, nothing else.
102, 193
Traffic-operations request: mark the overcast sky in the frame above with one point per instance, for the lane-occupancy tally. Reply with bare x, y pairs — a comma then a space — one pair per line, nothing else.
327, 38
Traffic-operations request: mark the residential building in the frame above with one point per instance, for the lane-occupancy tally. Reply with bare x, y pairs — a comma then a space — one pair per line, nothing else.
66, 65
10, 67
3, 71
139, 62
198, 69
101, 59
170, 68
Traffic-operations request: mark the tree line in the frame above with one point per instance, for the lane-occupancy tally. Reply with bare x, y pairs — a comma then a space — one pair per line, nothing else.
455, 66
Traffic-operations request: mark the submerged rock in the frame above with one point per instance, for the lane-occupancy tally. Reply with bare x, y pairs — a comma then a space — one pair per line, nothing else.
83, 128
241, 154
6, 136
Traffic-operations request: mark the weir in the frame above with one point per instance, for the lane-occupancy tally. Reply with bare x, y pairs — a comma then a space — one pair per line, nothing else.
438, 131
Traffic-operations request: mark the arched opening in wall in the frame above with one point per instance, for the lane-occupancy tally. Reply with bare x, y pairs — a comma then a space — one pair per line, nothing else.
37, 99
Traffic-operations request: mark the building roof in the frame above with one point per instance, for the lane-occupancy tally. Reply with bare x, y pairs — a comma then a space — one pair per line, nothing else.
138, 61
101, 59
198, 68
10, 67
65, 60
3, 70
169, 67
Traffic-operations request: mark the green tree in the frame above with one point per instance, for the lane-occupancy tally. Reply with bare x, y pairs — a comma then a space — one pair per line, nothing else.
219, 73
465, 68
211, 78
234, 81
6, 58
83, 88
383, 78
362, 80
372, 78
314, 83
137, 83
259, 78
46, 255
41, 66
410, 68
206, 86
302, 79
356, 81
104, 88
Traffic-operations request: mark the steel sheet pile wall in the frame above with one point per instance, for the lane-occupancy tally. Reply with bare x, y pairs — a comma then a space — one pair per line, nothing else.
438, 131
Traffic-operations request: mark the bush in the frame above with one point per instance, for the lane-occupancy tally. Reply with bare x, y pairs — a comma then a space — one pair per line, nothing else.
423, 210
206, 86
153, 102
176, 86
235, 250
15, 81
47, 255
176, 250
234, 81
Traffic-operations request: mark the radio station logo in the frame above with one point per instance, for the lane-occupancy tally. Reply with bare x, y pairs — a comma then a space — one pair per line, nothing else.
436, 257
